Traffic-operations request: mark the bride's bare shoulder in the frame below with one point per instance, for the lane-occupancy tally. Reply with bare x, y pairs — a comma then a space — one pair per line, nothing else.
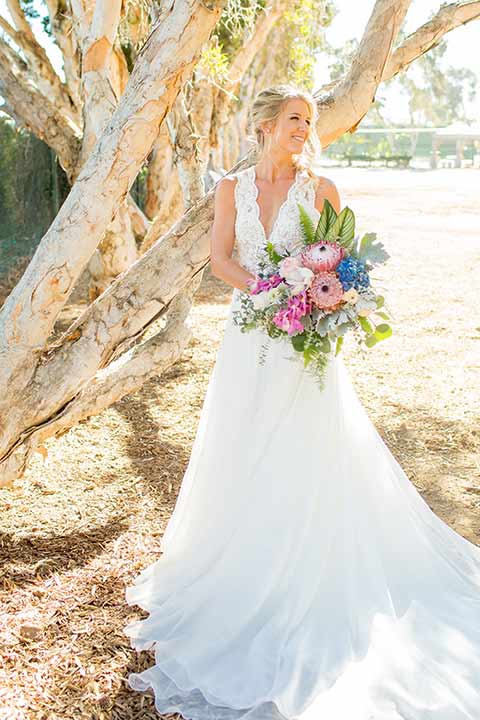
325, 188
224, 198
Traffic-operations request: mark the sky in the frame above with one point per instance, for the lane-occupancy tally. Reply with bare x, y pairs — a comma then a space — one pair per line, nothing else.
462, 47
352, 16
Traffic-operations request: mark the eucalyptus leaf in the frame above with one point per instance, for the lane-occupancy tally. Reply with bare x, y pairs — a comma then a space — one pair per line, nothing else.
325, 345
371, 251
371, 340
298, 342
383, 331
365, 324
339, 344
342, 328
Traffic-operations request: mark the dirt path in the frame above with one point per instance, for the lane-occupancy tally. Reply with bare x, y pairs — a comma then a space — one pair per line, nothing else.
86, 520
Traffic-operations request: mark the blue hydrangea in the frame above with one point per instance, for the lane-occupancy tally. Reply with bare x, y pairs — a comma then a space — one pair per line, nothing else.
352, 273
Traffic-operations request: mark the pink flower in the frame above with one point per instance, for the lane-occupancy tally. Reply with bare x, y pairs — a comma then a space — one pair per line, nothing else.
289, 264
288, 319
297, 276
299, 304
326, 290
259, 285
322, 256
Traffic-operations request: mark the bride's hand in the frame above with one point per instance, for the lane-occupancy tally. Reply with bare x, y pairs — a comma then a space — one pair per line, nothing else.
223, 237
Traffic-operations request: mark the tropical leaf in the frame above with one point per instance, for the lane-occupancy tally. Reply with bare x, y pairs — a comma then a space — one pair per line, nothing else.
273, 254
371, 251
343, 229
306, 225
327, 219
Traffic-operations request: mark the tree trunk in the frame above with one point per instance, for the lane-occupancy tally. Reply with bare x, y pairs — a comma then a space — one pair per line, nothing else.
29, 313
43, 387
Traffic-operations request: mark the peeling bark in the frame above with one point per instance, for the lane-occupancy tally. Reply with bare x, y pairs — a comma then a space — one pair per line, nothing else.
59, 382
128, 373
27, 317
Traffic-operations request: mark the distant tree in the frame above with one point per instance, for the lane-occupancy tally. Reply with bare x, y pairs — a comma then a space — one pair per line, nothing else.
437, 94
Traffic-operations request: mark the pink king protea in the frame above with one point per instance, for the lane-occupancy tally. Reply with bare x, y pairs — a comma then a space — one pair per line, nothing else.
322, 256
326, 290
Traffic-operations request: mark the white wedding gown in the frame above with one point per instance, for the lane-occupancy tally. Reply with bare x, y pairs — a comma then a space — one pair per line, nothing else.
302, 574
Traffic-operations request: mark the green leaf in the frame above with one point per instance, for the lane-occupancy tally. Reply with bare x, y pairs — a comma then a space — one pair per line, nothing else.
383, 331
308, 355
339, 344
382, 314
325, 346
370, 340
273, 254
327, 219
380, 300
365, 324
298, 342
306, 225
371, 251
343, 229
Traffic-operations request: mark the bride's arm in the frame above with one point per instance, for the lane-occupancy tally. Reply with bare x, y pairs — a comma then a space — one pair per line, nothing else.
327, 189
223, 238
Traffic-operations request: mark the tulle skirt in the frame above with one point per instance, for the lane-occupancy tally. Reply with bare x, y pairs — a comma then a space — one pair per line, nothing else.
302, 575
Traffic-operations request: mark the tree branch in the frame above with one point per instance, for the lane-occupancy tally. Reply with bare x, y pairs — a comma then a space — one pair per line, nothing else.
343, 109
128, 373
46, 78
30, 311
37, 113
428, 35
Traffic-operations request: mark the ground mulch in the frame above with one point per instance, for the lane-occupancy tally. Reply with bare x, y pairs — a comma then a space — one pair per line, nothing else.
89, 515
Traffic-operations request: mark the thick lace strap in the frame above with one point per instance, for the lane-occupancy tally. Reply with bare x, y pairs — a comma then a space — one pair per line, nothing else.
286, 232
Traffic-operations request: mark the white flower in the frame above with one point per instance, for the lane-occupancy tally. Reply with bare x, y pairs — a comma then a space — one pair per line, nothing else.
297, 276
365, 305
350, 296
267, 297
365, 312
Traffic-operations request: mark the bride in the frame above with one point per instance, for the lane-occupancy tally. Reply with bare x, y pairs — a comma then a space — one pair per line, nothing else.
302, 575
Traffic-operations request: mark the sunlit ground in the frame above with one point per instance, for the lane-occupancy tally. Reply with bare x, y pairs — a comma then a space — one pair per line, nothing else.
84, 522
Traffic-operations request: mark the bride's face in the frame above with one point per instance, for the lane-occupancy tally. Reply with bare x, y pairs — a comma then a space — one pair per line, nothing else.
291, 128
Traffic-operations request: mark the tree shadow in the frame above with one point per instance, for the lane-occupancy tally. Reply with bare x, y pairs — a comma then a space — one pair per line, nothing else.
159, 462
437, 455
26, 558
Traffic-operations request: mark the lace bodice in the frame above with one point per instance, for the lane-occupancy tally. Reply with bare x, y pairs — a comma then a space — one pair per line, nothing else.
285, 234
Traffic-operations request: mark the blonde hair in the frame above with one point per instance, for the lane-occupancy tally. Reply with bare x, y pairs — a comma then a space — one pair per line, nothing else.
268, 105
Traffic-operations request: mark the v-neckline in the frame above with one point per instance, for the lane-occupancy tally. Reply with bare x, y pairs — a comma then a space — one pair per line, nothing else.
257, 206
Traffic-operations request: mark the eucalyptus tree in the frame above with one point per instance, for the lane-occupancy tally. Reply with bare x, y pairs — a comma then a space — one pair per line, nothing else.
136, 327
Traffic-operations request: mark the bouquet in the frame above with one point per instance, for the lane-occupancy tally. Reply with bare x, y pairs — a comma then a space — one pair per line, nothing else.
313, 294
